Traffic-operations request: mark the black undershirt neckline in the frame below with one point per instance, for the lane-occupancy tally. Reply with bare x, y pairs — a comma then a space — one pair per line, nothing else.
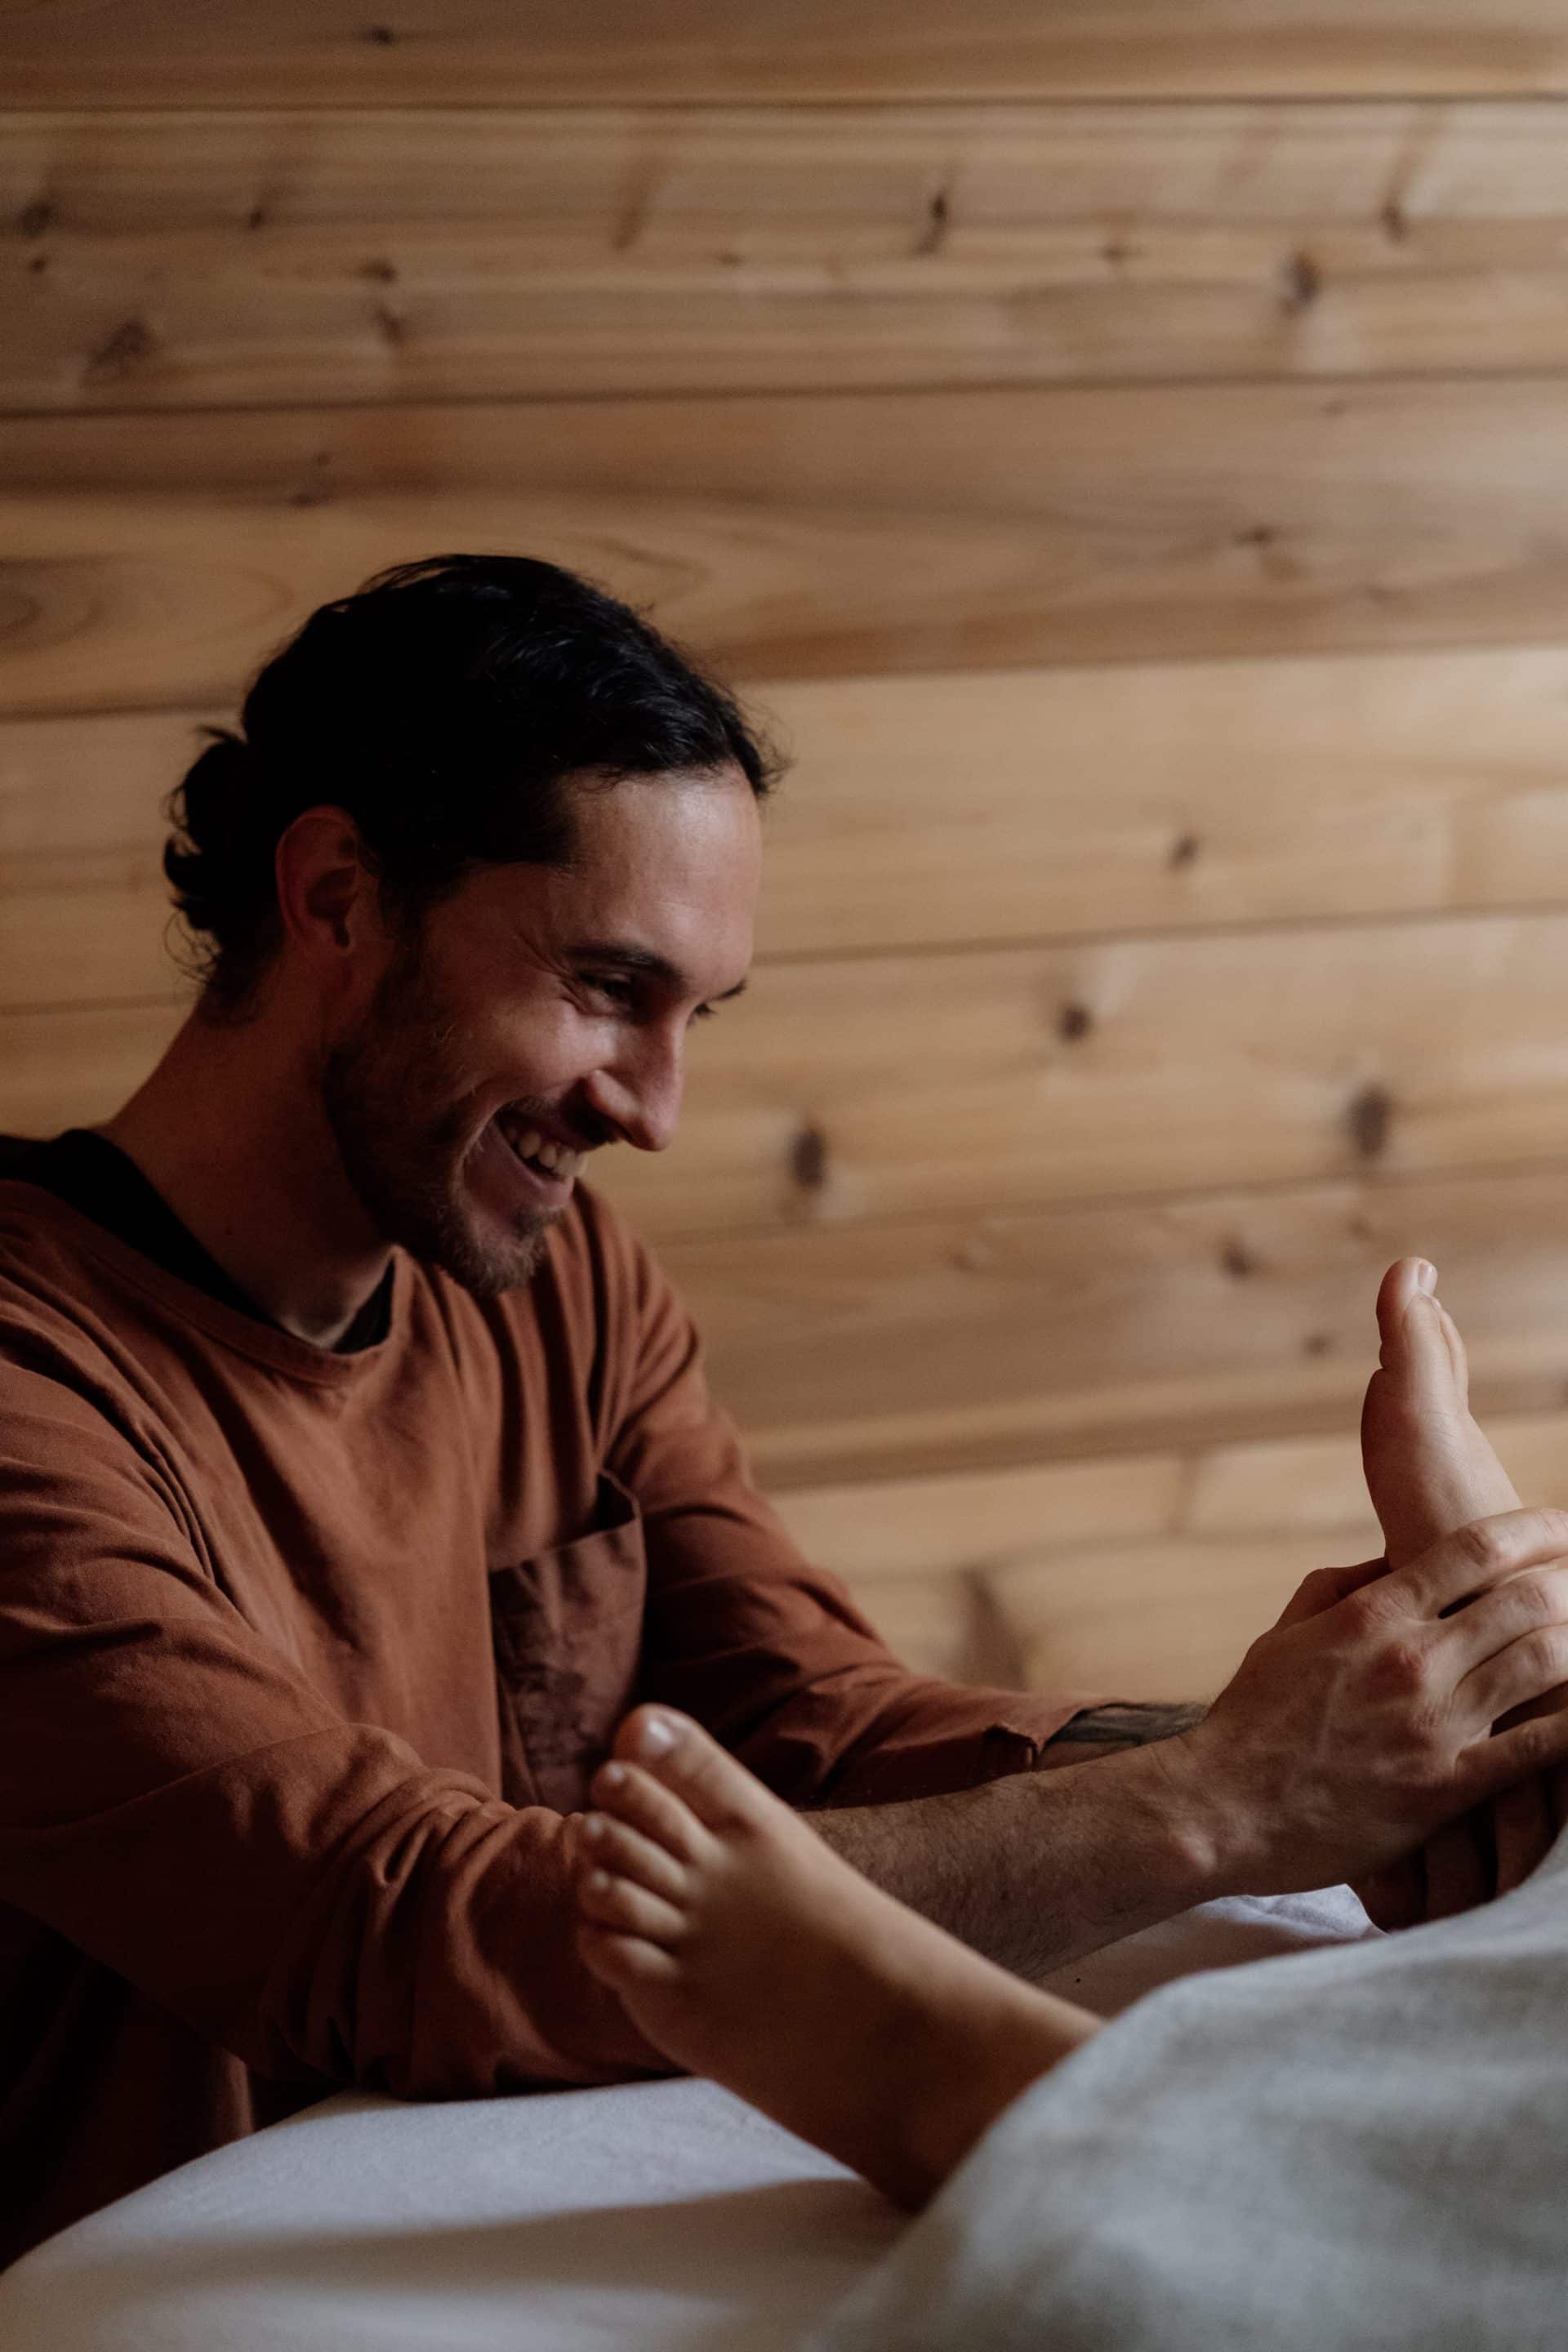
101, 1182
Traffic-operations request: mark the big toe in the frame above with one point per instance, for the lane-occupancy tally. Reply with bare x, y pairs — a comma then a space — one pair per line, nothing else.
1416, 1361
722, 1793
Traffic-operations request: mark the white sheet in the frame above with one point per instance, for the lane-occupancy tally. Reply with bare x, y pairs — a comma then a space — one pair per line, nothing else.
651, 2218
1361, 2151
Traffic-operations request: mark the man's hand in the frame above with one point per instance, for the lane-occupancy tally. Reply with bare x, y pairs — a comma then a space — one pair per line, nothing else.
1362, 1722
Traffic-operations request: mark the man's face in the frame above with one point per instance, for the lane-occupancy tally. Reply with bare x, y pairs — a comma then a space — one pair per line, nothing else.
542, 1011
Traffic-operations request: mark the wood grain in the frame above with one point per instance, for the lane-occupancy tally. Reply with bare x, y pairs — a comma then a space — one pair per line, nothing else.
154, 561
1168, 1620
283, 52
958, 810
996, 1079
163, 260
889, 1350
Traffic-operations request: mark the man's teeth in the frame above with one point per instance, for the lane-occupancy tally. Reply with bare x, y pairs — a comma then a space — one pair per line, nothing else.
556, 1158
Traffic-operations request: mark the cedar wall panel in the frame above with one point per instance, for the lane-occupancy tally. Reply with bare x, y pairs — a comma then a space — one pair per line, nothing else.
426, 52
1125, 450
151, 558
169, 260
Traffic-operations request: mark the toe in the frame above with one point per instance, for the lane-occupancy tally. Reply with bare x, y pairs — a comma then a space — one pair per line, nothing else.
615, 1845
692, 1766
627, 1794
624, 1960
627, 1909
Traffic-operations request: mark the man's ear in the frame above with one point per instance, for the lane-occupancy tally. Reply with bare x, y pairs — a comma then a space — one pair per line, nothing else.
327, 895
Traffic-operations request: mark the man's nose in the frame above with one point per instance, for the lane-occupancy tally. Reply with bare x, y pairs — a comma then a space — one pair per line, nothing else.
640, 1092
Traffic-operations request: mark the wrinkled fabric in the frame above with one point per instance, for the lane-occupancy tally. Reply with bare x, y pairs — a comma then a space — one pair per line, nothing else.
305, 1656
1360, 2151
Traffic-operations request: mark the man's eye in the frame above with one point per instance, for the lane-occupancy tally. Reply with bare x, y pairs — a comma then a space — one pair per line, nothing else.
705, 1013
611, 984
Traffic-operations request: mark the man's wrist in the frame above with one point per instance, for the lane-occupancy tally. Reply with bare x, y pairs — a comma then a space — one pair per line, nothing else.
1117, 1724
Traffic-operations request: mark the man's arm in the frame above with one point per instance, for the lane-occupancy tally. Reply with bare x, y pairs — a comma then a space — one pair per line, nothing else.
1355, 1728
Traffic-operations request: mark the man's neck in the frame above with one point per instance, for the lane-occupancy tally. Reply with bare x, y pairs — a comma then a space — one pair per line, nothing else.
230, 1131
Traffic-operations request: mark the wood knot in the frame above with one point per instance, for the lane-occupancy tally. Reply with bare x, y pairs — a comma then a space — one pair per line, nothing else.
1237, 1260
38, 264
379, 273
1317, 1343
1303, 284
1368, 1116
1185, 850
123, 352
808, 1159
256, 216
938, 216
1257, 534
381, 36
36, 218
393, 329
1395, 227
1073, 1021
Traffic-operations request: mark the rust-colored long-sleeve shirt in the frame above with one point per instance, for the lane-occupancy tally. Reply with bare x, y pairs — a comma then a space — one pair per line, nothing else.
304, 1655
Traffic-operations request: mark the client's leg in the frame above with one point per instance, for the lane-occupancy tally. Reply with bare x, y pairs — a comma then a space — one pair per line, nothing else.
746, 1951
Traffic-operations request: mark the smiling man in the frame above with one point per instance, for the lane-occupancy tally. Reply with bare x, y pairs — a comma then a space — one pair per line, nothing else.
359, 1471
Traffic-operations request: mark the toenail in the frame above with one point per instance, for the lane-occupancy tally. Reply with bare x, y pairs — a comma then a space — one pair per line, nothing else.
656, 1737
598, 1879
1426, 1275
611, 1775
594, 1826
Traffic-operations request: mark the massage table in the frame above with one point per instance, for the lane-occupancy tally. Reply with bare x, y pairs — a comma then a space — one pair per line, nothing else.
650, 2217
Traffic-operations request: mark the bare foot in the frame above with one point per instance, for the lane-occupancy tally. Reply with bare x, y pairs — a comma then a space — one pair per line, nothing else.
1429, 1468
746, 1951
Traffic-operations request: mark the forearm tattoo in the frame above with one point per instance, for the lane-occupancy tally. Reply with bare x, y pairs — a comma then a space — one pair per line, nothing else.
1126, 1723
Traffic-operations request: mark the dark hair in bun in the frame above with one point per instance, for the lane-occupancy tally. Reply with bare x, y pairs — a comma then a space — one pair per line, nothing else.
442, 705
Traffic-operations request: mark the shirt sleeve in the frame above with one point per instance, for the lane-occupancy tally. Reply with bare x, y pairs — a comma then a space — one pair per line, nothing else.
178, 1802
768, 1652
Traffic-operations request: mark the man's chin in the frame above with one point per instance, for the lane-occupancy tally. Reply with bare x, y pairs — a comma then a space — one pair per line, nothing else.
486, 1267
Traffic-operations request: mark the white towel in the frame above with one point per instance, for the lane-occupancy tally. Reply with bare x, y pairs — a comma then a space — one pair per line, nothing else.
1356, 2151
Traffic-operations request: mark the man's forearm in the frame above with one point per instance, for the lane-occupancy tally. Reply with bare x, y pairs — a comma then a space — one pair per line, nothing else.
1039, 1868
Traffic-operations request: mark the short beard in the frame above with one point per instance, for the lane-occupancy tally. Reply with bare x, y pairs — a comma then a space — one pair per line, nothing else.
404, 1162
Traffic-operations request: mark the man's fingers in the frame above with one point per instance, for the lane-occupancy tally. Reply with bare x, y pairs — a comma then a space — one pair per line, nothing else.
1530, 1665
1395, 1895
1487, 1767
1461, 1866
1473, 1558
1524, 1829
1326, 1587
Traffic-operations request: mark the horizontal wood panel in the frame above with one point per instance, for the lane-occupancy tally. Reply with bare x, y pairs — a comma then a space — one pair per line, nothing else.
959, 809
904, 1085
995, 1079
152, 560
974, 1523
883, 1351
158, 261
1144, 1573
75, 1067
272, 52
1167, 1620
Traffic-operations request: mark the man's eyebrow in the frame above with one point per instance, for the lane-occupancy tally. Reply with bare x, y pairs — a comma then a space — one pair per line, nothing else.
647, 963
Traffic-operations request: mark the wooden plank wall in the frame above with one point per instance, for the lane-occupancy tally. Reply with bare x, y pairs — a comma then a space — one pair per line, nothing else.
1123, 450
